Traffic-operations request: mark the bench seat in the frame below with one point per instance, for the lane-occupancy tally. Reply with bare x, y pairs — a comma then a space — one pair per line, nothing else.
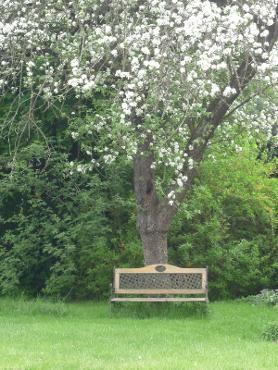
156, 299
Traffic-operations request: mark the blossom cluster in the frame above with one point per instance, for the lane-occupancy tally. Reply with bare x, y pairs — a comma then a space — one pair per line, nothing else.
166, 62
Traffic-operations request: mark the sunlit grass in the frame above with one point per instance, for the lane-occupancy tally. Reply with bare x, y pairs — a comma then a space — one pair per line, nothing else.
43, 335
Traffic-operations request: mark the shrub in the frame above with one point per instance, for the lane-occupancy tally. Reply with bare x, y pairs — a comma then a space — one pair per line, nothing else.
270, 332
269, 297
229, 223
60, 234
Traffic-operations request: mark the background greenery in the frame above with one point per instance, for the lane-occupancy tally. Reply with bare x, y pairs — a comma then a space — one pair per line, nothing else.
61, 234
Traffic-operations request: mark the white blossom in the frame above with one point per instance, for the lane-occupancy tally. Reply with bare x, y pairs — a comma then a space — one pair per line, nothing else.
165, 63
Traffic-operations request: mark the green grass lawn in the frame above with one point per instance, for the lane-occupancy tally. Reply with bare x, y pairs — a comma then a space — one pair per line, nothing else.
42, 335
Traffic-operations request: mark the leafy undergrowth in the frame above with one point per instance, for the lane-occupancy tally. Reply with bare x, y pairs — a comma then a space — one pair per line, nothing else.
271, 332
40, 335
266, 296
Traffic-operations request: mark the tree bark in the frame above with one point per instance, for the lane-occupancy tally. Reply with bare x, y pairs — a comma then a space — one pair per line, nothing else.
154, 247
152, 224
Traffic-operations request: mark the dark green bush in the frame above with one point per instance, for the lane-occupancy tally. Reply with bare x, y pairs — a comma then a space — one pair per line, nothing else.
61, 235
229, 223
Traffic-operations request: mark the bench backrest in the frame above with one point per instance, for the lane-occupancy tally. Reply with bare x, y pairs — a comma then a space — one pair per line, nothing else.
160, 279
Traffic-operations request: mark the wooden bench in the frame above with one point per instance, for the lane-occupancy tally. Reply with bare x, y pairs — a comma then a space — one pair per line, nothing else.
158, 283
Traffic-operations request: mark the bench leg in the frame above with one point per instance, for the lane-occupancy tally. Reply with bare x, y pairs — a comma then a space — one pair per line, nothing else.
110, 300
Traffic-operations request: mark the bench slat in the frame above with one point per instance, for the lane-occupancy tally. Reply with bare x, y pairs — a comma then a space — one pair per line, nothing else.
168, 268
156, 299
160, 291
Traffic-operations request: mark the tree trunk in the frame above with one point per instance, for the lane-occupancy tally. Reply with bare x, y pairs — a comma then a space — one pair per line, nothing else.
154, 247
151, 222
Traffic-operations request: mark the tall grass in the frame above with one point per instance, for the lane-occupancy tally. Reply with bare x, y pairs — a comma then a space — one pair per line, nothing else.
39, 306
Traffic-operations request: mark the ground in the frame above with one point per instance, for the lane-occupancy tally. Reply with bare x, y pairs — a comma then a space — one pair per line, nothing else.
42, 335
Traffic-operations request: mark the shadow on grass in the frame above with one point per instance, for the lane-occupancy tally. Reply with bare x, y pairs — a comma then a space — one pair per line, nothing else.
164, 310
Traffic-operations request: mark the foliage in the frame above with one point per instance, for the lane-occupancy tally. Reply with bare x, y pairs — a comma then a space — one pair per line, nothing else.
60, 232
229, 223
57, 232
271, 332
266, 296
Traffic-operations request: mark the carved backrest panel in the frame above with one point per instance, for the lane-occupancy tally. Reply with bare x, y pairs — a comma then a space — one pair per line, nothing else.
159, 279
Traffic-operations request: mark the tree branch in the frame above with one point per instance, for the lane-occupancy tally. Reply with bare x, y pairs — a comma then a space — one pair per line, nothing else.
217, 110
